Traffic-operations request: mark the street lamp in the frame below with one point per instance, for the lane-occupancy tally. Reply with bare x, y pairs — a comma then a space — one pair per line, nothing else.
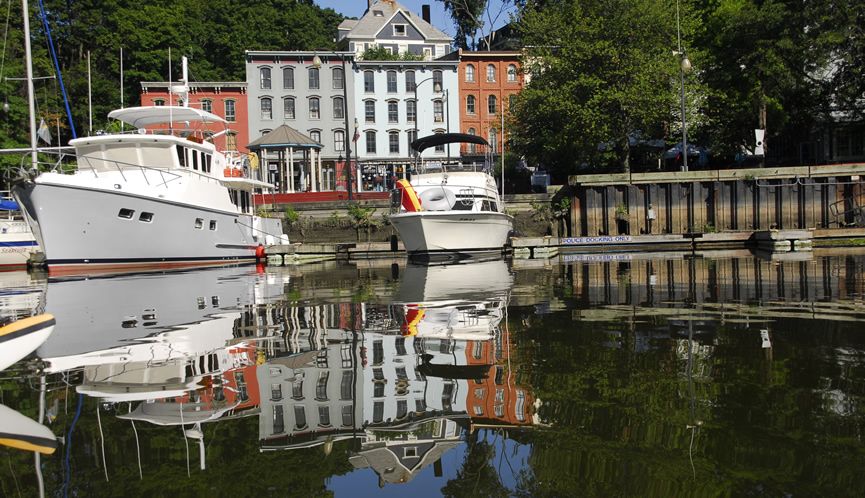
316, 61
684, 67
436, 89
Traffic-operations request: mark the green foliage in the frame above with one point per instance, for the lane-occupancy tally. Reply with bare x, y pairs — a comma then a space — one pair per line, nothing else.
378, 53
334, 217
468, 18
600, 72
291, 215
214, 35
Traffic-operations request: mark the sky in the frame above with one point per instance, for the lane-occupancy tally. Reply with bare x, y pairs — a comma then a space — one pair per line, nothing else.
440, 19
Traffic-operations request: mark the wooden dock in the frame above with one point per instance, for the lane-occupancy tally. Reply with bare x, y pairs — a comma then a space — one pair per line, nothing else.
767, 241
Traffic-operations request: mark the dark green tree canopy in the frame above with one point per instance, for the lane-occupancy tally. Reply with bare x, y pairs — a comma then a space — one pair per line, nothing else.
600, 72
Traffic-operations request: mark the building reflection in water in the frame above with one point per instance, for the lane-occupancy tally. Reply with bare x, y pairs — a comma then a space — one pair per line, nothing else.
404, 377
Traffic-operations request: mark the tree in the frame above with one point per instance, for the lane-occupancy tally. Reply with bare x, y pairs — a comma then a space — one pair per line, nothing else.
761, 70
600, 72
472, 17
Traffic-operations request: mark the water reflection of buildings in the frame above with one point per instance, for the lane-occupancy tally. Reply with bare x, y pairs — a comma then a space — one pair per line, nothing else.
190, 348
402, 388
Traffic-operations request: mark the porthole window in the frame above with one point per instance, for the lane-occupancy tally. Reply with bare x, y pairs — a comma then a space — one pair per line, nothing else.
126, 213
199, 223
213, 224
146, 217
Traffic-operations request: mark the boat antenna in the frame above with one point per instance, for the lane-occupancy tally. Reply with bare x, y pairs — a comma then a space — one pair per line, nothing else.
3, 60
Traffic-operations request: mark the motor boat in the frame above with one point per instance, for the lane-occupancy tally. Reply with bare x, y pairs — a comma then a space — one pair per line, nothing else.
450, 208
159, 194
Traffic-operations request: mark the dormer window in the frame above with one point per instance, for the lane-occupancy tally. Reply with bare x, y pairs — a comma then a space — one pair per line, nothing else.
377, 13
399, 30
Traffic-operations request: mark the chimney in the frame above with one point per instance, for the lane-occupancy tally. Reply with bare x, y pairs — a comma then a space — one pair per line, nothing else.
369, 5
425, 13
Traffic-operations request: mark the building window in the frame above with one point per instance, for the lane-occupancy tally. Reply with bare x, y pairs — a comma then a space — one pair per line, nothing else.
369, 111
409, 81
412, 136
370, 142
494, 144
313, 78
288, 107
437, 81
229, 111
438, 111
264, 73
391, 82
393, 138
314, 110
473, 148
399, 30
288, 78
338, 108
392, 112
231, 140
441, 148
470, 104
339, 141
512, 73
491, 104
266, 108
159, 102
315, 136
470, 73
324, 416
207, 105
491, 73
410, 111
368, 81
338, 78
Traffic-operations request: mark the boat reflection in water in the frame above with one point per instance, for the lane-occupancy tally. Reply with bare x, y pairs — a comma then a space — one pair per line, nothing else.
188, 348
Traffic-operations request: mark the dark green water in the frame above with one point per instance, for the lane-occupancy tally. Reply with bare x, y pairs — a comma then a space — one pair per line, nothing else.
668, 374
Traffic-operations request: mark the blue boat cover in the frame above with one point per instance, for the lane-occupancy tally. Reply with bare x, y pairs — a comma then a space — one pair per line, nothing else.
9, 205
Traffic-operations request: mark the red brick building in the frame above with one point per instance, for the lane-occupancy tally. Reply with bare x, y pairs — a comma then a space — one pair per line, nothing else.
486, 81
225, 99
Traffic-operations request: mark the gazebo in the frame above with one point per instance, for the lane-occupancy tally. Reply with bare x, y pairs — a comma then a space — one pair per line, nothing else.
284, 142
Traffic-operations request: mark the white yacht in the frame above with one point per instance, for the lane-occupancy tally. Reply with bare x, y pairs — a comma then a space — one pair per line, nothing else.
161, 195
463, 301
449, 209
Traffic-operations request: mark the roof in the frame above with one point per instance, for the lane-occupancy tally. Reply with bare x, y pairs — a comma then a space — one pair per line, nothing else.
140, 117
428, 141
370, 24
283, 136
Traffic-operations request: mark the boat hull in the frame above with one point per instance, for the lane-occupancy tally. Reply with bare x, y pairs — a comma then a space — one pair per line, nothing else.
80, 228
452, 231
17, 243
22, 337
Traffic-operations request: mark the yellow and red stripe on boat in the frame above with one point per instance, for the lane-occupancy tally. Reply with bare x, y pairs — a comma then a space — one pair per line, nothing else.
410, 202
413, 316
26, 326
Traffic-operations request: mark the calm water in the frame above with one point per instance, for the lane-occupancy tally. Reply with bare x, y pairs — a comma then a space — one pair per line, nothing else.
666, 374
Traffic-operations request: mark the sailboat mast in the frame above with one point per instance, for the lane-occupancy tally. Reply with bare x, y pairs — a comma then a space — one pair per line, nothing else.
30, 92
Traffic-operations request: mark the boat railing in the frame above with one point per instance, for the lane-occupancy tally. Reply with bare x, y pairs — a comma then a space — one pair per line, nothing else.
78, 164
451, 167
462, 197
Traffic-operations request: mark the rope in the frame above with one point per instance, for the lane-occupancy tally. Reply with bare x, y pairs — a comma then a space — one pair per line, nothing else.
102, 442
57, 68
69, 444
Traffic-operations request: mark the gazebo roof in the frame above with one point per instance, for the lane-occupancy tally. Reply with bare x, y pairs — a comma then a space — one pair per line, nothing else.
284, 136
